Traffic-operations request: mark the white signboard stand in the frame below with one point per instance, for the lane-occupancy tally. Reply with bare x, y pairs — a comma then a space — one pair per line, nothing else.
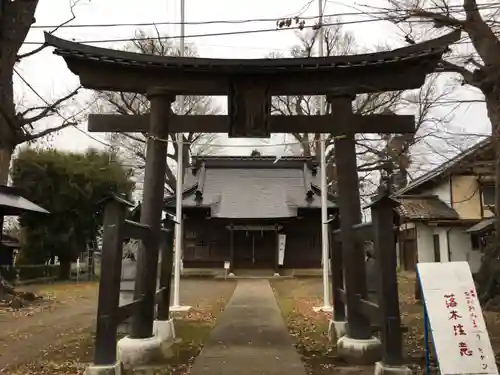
281, 248
226, 268
461, 341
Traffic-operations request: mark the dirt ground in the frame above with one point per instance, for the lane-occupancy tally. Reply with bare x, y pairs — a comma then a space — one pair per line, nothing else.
65, 310
297, 297
56, 337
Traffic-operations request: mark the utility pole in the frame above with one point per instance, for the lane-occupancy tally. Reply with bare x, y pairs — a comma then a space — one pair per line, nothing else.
324, 186
179, 190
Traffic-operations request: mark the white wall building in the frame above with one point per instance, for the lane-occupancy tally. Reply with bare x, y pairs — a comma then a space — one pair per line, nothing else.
445, 210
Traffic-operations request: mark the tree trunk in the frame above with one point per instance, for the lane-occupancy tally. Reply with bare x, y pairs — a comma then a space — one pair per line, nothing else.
9, 128
5, 158
490, 262
492, 105
16, 20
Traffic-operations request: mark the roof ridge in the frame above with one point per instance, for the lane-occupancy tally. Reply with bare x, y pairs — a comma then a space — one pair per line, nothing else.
436, 172
430, 47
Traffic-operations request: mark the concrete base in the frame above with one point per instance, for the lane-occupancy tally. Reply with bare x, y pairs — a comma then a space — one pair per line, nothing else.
180, 308
359, 352
231, 274
322, 308
164, 329
336, 330
104, 370
382, 369
276, 274
139, 352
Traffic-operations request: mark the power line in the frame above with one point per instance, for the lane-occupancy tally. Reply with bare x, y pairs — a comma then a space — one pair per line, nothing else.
241, 32
227, 33
256, 20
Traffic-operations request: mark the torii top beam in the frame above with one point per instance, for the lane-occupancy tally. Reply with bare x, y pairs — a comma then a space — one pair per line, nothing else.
107, 69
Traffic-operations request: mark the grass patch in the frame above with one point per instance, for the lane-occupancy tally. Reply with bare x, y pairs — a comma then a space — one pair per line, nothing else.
296, 298
192, 329
71, 357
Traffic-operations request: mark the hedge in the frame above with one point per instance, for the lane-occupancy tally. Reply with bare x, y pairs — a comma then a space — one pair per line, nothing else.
30, 272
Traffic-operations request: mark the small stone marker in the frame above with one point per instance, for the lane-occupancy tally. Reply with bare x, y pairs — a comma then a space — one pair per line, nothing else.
456, 321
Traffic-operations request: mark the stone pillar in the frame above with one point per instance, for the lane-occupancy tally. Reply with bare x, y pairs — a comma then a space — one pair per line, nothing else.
391, 334
109, 291
163, 326
141, 346
338, 325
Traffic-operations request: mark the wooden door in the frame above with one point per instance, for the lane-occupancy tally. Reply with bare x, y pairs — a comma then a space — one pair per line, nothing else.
409, 255
264, 249
254, 249
243, 249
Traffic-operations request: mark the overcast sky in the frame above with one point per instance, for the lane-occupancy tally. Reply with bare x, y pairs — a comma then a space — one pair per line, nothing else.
50, 77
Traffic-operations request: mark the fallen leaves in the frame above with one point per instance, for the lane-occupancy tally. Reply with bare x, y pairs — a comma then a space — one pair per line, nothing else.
72, 350
297, 297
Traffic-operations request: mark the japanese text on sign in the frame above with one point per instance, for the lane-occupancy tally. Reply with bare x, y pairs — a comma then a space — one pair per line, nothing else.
456, 322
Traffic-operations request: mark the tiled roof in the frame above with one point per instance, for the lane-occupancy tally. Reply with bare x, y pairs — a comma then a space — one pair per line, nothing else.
73, 50
251, 187
430, 207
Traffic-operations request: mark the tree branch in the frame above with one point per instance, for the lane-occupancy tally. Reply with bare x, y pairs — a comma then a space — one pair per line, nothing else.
43, 133
482, 36
50, 109
467, 75
439, 19
73, 4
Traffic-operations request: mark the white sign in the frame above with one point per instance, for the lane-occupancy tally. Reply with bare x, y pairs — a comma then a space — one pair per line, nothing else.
281, 248
226, 265
456, 321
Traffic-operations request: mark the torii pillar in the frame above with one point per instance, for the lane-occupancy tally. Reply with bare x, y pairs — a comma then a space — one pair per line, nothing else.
356, 343
141, 346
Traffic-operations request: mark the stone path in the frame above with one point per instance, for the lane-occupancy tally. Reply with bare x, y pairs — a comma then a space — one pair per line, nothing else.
250, 337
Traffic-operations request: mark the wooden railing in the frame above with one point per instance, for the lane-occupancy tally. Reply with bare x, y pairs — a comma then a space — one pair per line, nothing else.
109, 313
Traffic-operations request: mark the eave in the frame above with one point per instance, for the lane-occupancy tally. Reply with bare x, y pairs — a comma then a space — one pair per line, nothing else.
107, 69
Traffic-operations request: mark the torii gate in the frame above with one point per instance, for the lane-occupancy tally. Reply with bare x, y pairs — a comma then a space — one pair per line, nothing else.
249, 85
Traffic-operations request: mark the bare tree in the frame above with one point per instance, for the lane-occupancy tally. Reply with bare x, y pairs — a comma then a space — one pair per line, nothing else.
132, 146
475, 59
18, 125
402, 149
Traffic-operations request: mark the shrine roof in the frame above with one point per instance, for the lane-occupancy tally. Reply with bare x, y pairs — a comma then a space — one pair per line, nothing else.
12, 203
123, 71
252, 187
420, 51
425, 207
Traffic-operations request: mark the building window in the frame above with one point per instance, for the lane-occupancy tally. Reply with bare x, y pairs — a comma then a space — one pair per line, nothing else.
475, 241
437, 248
488, 195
